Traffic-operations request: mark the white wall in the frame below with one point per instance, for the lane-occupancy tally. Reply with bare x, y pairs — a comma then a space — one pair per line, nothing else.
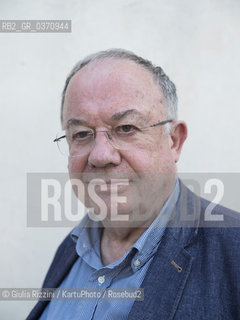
197, 44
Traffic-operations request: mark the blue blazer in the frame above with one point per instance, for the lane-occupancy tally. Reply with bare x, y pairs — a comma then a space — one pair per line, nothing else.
195, 274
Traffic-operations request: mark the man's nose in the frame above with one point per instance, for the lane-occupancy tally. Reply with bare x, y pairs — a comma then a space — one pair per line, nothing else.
103, 153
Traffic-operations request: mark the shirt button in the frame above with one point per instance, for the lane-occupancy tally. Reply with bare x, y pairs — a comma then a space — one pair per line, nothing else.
137, 263
101, 279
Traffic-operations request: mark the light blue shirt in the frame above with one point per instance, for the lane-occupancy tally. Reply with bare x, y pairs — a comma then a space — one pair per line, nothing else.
89, 272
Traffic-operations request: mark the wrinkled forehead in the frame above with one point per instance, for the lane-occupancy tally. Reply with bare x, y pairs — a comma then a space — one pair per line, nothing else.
117, 83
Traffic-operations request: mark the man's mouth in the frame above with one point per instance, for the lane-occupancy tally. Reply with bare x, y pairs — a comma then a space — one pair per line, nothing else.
113, 185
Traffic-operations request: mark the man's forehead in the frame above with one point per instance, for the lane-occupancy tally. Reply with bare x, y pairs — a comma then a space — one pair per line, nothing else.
118, 83
114, 72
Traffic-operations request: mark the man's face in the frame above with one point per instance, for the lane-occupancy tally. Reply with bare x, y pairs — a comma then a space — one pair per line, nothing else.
99, 95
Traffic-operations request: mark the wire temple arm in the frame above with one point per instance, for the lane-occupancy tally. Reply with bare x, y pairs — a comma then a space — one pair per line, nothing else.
58, 139
161, 123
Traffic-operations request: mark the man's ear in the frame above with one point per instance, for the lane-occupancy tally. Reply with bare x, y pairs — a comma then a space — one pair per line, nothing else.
178, 135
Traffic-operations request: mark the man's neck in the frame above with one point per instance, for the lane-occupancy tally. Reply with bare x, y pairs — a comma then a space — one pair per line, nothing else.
116, 242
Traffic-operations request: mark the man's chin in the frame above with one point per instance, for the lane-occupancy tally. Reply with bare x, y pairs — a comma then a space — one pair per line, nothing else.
111, 188
124, 215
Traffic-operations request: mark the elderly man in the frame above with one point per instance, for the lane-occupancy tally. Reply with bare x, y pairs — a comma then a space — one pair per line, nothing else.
123, 139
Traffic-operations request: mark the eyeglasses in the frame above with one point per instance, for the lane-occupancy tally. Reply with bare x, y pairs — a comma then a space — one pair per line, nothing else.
78, 141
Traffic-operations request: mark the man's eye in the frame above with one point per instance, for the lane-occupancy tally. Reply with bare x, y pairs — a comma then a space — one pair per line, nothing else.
126, 128
81, 135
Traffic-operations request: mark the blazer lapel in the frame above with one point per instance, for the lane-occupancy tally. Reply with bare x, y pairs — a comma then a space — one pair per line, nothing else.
164, 283
171, 266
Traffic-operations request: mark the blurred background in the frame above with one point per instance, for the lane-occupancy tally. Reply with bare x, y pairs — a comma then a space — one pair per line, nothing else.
196, 43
